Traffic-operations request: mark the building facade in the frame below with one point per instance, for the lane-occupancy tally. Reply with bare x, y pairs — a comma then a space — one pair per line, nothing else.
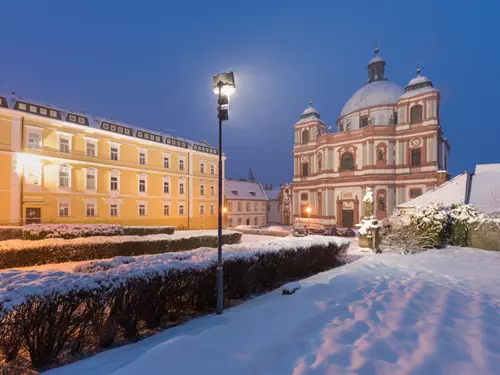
67, 167
246, 203
273, 205
388, 138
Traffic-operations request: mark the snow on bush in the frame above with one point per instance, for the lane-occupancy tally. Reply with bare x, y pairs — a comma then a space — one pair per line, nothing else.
10, 232
400, 236
19, 253
44, 313
262, 231
41, 231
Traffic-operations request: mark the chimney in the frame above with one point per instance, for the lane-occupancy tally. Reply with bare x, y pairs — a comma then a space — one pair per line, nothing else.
271, 187
266, 187
442, 177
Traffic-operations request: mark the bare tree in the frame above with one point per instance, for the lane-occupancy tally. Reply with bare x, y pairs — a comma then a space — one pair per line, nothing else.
406, 239
495, 202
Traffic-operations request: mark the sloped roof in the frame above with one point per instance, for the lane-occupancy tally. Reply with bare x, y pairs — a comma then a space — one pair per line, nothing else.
485, 190
244, 190
273, 194
33, 107
452, 191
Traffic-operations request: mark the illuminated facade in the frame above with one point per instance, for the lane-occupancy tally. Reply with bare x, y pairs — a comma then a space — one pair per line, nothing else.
66, 167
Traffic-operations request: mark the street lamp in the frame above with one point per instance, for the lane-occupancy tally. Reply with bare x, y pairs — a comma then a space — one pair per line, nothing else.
223, 85
308, 210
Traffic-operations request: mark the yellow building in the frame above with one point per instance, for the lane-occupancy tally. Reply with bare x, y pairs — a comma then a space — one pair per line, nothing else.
66, 167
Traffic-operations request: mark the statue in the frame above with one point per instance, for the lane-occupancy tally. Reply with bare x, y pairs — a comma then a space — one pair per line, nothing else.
368, 203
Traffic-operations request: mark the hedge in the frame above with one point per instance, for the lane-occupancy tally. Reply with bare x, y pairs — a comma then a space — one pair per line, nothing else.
264, 232
10, 233
49, 315
146, 231
18, 253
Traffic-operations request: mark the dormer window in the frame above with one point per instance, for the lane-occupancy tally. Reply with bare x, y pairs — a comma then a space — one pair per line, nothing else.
252, 193
235, 192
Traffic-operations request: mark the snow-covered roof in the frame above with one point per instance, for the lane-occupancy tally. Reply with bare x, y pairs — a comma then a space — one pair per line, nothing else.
485, 188
376, 59
372, 94
450, 192
309, 110
418, 79
423, 90
273, 194
243, 190
18, 103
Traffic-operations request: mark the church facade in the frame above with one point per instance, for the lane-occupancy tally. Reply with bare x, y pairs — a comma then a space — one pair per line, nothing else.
388, 138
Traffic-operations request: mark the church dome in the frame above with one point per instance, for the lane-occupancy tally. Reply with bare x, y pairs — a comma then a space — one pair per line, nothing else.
376, 91
372, 94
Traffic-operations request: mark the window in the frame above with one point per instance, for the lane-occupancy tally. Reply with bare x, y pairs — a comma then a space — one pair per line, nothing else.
166, 186
181, 209
248, 206
252, 193
240, 206
166, 210
230, 222
34, 175
90, 210
341, 127
256, 206
142, 209
414, 193
64, 144
142, 185
34, 140
212, 209
166, 162
264, 206
114, 181
256, 220
142, 157
202, 209
113, 210
229, 206
181, 188
305, 169
347, 162
416, 114
395, 118
212, 190
415, 157
63, 208
202, 189
212, 169
239, 221
380, 154
90, 149
114, 152
202, 167
268, 208
305, 137
90, 179
181, 164
363, 121
64, 177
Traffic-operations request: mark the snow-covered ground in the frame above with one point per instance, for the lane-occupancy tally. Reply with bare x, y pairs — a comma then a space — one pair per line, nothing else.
432, 313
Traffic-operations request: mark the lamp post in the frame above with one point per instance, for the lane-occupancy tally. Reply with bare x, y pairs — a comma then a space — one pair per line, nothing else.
223, 86
308, 210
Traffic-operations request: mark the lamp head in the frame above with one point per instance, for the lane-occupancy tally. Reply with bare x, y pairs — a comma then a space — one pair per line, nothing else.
226, 83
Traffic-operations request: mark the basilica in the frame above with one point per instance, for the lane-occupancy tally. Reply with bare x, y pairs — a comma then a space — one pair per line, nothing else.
388, 138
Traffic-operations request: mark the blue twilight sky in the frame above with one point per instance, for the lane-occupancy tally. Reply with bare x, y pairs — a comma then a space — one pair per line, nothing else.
149, 63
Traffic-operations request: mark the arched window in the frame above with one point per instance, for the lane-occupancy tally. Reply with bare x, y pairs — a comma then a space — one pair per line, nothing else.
341, 127
347, 162
380, 154
320, 162
416, 114
305, 169
305, 136
363, 121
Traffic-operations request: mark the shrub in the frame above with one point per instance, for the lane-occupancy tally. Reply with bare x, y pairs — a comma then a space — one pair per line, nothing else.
67, 231
400, 235
10, 233
485, 235
264, 232
146, 231
17, 253
54, 311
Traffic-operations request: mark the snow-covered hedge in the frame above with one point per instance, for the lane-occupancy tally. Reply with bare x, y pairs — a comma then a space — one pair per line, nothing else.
146, 231
19, 253
10, 233
41, 231
46, 313
263, 231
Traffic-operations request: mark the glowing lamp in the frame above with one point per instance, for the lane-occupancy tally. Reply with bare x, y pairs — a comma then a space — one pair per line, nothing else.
226, 83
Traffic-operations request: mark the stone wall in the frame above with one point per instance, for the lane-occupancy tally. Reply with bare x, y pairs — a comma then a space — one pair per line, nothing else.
486, 236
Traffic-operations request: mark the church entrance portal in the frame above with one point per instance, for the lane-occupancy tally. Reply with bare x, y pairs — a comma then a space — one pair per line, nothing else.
348, 218
248, 221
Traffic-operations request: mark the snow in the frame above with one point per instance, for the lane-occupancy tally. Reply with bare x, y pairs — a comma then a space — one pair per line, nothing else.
376, 59
24, 244
309, 110
368, 224
431, 313
371, 94
417, 80
290, 288
423, 90
273, 194
368, 198
485, 189
450, 192
244, 188
16, 284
